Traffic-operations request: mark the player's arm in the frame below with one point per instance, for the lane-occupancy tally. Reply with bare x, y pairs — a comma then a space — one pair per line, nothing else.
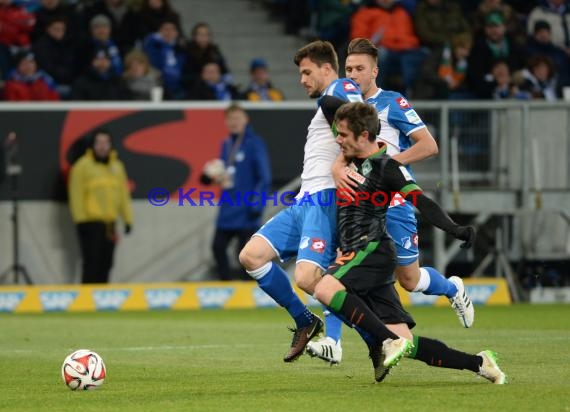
329, 106
402, 182
424, 146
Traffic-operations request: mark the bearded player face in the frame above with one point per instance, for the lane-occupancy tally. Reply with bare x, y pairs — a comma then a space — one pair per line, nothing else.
313, 77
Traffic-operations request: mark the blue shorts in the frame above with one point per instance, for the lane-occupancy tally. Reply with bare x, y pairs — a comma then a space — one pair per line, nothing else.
402, 226
307, 230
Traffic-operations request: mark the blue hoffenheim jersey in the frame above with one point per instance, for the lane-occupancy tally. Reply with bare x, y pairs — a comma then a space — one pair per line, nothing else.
397, 121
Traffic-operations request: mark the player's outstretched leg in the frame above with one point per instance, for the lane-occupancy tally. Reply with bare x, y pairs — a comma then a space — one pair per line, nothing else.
328, 348
273, 280
436, 353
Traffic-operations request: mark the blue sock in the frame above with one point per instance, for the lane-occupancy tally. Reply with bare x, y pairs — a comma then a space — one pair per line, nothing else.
439, 284
276, 284
333, 325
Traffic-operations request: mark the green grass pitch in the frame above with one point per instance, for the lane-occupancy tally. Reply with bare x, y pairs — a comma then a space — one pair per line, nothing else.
231, 360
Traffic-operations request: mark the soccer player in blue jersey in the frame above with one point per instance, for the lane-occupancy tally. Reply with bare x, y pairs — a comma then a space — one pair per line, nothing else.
408, 141
308, 228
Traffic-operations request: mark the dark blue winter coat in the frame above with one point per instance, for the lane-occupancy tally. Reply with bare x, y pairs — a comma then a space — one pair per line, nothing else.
252, 174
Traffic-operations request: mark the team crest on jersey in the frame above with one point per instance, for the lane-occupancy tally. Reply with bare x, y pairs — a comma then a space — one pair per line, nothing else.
349, 87
366, 167
318, 245
354, 175
403, 103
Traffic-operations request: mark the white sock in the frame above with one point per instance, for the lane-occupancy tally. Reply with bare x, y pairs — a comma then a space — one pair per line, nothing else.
260, 272
424, 281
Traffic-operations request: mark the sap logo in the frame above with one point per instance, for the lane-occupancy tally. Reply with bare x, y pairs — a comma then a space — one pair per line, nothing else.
214, 297
161, 298
422, 300
9, 301
57, 301
262, 299
109, 299
480, 294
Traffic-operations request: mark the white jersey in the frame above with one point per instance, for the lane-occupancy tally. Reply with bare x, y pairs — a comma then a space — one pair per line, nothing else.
321, 149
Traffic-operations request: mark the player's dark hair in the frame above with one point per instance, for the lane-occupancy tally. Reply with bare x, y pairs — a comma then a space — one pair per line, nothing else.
319, 52
360, 117
362, 46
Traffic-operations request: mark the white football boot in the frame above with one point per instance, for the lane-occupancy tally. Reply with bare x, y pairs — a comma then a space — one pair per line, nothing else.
461, 303
326, 349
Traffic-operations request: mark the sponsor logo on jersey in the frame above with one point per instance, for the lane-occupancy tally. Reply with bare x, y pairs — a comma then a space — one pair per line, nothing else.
318, 245
354, 175
262, 299
214, 297
413, 117
9, 301
403, 103
354, 98
57, 301
304, 242
349, 87
161, 298
110, 299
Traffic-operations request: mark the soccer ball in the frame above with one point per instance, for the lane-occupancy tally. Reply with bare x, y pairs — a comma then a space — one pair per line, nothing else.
83, 369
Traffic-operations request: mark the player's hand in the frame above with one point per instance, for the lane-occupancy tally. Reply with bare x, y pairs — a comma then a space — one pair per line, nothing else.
341, 179
467, 234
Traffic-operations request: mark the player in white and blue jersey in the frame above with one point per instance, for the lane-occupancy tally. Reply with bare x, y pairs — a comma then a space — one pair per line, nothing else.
408, 141
308, 228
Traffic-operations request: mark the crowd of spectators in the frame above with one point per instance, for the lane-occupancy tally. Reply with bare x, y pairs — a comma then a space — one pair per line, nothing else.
96, 50
449, 49
428, 49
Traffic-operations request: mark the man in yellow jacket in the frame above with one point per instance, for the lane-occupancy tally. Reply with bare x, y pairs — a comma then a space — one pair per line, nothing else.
98, 195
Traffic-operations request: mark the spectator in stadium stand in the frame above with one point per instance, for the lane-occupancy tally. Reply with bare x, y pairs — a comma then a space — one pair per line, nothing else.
27, 83
443, 71
493, 45
498, 84
201, 49
243, 166
153, 13
557, 14
100, 38
140, 77
16, 25
540, 43
513, 25
55, 54
125, 21
98, 196
260, 87
437, 21
55, 9
166, 54
539, 79
100, 82
389, 26
212, 86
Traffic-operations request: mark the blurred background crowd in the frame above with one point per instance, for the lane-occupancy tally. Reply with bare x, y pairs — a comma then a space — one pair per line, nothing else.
90, 50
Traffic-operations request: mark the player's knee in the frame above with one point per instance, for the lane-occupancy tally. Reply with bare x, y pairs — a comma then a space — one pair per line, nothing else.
249, 259
408, 277
407, 283
307, 278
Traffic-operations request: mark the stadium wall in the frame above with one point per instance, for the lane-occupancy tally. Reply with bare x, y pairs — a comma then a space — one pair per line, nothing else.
195, 295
